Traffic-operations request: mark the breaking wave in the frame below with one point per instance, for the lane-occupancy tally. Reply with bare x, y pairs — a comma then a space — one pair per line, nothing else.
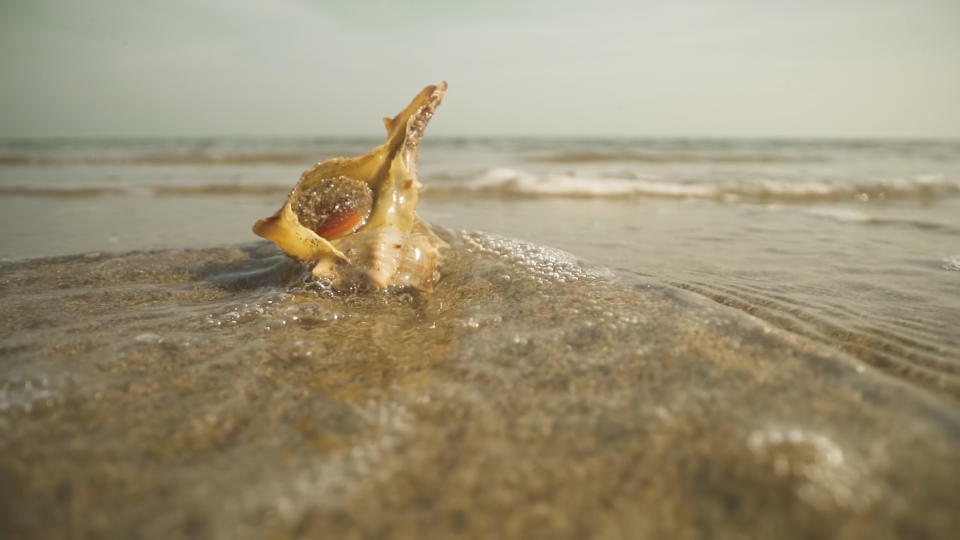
674, 157
516, 183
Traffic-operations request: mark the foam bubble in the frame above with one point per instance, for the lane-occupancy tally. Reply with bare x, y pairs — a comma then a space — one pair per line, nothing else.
824, 475
26, 391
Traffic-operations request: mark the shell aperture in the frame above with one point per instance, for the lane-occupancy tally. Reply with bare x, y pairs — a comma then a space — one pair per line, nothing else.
333, 207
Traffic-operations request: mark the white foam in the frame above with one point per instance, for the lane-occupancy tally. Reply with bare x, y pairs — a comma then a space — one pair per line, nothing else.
952, 263
797, 189
845, 215
521, 182
825, 477
513, 181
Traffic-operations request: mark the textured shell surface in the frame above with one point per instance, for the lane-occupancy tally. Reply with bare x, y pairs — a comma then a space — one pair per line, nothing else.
354, 221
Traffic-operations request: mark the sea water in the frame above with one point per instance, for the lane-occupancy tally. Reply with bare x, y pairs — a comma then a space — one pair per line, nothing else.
733, 335
854, 243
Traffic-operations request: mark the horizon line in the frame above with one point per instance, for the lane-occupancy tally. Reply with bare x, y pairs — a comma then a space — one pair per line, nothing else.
566, 137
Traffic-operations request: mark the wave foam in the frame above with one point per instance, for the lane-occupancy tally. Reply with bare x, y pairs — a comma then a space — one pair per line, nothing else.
521, 183
844, 215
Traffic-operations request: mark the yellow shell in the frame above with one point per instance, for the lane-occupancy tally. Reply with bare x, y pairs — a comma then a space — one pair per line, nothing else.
367, 234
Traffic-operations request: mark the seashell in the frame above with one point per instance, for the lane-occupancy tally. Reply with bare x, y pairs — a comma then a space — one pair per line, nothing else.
353, 219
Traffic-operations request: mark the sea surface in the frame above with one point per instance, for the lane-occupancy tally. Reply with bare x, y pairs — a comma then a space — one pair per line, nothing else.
852, 243
784, 315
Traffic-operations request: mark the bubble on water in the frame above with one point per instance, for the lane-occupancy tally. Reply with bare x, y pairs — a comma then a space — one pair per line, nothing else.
251, 310
275, 311
274, 324
304, 315
275, 298
237, 313
824, 474
544, 264
24, 391
300, 350
311, 283
480, 319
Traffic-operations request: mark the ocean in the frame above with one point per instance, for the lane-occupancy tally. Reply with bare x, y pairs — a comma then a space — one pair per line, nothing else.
630, 338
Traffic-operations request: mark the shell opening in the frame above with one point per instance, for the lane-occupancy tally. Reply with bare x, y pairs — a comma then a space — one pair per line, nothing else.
333, 207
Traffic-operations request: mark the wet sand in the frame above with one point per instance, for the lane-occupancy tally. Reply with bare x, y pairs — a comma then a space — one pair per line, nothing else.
210, 394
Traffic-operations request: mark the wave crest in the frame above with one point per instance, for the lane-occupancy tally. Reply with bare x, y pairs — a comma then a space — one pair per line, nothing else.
512, 182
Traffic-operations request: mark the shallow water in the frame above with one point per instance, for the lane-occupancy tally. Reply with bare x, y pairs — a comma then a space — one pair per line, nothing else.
533, 393
855, 244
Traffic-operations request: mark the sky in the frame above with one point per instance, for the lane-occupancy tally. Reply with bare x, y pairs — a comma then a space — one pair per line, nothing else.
695, 68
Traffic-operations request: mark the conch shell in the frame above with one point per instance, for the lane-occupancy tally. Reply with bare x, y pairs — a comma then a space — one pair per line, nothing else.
353, 219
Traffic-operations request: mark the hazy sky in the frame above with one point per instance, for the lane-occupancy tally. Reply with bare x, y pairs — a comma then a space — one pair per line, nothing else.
877, 68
